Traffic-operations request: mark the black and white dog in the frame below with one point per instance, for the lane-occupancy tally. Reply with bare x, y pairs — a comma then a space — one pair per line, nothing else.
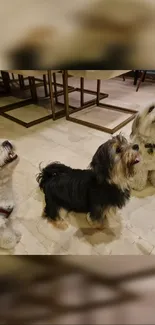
97, 191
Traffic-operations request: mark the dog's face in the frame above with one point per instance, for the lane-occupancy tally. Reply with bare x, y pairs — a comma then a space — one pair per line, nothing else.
144, 124
115, 161
8, 159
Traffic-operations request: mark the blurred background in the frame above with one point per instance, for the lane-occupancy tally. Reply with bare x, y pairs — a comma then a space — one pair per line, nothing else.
83, 34
77, 290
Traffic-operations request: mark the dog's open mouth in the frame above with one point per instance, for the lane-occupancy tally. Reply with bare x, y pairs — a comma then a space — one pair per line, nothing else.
11, 157
135, 161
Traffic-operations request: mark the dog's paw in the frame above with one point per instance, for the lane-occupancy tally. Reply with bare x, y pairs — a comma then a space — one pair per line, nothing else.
18, 235
7, 239
15, 231
95, 224
60, 224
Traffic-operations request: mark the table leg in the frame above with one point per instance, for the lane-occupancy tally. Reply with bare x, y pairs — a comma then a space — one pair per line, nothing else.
66, 98
82, 91
136, 74
51, 94
143, 74
98, 91
45, 85
21, 81
55, 88
6, 81
33, 89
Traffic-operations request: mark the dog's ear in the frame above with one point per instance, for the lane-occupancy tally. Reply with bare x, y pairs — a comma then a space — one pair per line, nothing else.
135, 125
101, 163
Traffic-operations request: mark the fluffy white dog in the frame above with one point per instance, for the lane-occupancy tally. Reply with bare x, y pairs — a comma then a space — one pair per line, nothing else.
8, 161
143, 133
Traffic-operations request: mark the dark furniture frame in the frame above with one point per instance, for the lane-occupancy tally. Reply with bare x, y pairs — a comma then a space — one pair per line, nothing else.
34, 98
69, 113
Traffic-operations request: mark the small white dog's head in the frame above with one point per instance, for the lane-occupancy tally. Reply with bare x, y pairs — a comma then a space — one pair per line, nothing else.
8, 159
144, 124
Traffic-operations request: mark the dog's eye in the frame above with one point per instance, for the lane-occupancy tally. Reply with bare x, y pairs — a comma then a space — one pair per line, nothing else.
151, 109
118, 150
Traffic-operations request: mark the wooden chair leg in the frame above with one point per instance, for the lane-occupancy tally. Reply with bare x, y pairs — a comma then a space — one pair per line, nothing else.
45, 85
21, 81
98, 92
81, 92
55, 87
65, 88
136, 73
6, 81
143, 74
51, 95
33, 89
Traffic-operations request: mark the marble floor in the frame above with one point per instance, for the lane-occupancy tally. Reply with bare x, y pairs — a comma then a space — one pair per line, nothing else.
132, 231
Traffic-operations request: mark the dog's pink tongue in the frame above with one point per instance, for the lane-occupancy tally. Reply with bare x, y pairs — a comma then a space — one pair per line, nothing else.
137, 160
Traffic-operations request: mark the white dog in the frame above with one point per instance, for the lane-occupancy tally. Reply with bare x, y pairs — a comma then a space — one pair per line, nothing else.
143, 133
8, 161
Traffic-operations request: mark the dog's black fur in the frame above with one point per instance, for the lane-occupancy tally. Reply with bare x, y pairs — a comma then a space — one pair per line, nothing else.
85, 191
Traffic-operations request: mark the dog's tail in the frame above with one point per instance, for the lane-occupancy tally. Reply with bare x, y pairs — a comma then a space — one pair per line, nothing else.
51, 171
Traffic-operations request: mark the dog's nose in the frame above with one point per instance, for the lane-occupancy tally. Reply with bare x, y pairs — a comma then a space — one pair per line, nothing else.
24, 58
135, 147
7, 144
